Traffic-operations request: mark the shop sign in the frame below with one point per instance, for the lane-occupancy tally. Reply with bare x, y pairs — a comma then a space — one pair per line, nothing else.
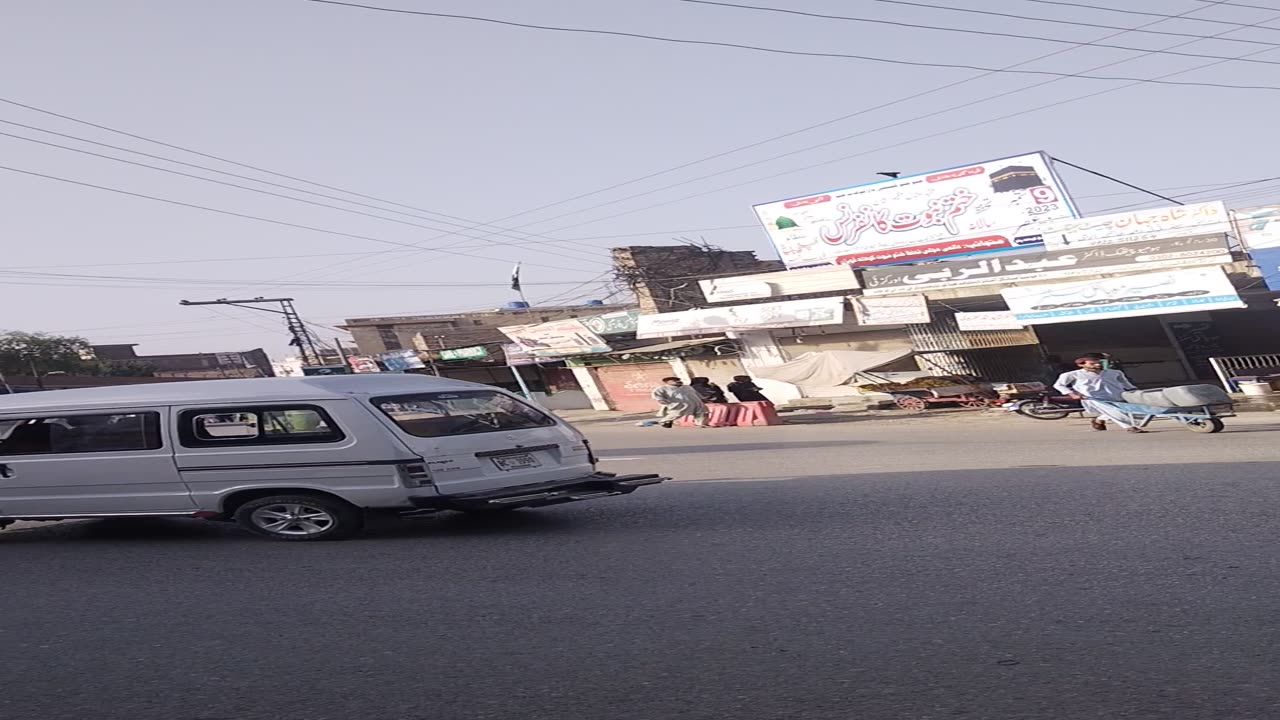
400, 360
904, 310
1259, 230
1158, 293
516, 356
1207, 218
363, 364
1076, 262
622, 322
993, 320
716, 321
557, 338
465, 353
991, 206
321, 370
835, 278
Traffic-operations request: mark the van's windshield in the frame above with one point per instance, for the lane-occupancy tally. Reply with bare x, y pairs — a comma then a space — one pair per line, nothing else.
460, 413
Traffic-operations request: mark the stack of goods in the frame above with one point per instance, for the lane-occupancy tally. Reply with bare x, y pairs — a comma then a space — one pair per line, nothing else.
1185, 396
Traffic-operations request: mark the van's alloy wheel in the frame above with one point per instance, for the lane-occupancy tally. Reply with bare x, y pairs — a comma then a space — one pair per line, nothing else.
300, 517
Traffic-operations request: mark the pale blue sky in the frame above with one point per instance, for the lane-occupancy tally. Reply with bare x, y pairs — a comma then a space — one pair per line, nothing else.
481, 121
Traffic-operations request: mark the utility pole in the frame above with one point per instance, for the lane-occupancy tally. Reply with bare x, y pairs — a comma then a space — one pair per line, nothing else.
296, 328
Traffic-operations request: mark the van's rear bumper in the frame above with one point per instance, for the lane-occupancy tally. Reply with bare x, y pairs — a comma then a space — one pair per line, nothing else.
601, 484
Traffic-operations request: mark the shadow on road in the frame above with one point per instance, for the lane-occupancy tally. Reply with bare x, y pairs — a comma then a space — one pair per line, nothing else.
724, 447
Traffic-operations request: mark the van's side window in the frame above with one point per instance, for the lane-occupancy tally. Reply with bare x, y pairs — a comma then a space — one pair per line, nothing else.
81, 434
463, 412
257, 426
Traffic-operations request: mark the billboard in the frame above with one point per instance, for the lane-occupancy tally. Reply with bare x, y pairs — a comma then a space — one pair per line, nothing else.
779, 283
1158, 293
400, 360
556, 338
713, 321
1207, 218
1053, 264
987, 207
1259, 231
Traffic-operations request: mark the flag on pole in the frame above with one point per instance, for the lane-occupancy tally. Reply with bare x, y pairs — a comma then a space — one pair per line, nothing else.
515, 278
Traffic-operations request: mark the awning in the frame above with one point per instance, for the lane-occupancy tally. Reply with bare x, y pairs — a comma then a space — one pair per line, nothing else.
832, 367
668, 346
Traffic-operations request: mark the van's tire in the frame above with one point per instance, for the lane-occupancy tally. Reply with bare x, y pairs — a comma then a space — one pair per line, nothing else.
300, 518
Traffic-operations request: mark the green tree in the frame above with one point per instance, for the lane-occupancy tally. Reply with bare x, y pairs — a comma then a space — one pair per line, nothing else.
24, 353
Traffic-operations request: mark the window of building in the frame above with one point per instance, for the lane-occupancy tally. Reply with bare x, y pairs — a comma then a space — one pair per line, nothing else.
257, 426
81, 434
460, 413
390, 340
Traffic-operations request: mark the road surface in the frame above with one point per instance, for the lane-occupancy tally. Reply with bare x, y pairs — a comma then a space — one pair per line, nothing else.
969, 566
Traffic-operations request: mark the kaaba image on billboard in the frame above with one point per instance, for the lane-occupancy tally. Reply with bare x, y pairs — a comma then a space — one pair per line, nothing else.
1015, 177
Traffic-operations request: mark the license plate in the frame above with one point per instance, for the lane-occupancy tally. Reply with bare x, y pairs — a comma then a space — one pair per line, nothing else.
523, 461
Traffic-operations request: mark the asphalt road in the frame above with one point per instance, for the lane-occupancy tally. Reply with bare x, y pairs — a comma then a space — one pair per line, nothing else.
905, 569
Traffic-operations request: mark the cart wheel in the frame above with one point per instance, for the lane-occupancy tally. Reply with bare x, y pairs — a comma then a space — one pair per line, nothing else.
976, 403
1205, 425
910, 402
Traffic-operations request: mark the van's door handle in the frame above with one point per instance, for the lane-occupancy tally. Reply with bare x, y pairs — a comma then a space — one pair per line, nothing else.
7, 472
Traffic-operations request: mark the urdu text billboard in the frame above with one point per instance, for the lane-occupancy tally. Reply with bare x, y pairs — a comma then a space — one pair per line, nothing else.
985, 207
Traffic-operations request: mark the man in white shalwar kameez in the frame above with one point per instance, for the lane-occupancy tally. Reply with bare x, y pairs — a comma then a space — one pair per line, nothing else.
676, 400
1093, 382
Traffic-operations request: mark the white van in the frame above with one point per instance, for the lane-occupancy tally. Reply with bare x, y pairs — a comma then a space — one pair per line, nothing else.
289, 458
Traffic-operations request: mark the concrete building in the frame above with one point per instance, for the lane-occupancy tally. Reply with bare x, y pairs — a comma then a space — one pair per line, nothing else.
665, 278
238, 364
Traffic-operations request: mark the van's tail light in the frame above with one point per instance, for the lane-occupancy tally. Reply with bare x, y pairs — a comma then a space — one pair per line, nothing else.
414, 474
591, 455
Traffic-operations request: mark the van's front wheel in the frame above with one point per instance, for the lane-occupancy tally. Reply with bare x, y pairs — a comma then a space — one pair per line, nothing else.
298, 518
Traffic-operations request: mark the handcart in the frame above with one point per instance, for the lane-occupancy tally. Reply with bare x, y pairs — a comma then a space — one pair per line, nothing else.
966, 396
1200, 418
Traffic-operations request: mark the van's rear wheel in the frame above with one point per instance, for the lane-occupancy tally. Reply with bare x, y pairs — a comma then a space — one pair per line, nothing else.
298, 518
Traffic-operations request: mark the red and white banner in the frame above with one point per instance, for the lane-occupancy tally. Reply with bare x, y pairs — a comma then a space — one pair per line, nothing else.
986, 207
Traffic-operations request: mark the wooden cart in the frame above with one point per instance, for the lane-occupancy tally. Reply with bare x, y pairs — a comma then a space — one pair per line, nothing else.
966, 396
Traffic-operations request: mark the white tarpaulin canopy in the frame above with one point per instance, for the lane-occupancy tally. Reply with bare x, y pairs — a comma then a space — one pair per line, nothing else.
832, 367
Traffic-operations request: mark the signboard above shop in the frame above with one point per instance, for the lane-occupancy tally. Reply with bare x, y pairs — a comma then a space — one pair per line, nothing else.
716, 321
473, 352
557, 338
1158, 293
622, 322
905, 310
1259, 230
777, 284
990, 206
1036, 266
1207, 218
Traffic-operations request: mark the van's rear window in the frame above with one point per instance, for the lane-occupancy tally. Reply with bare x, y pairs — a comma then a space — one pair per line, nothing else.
460, 413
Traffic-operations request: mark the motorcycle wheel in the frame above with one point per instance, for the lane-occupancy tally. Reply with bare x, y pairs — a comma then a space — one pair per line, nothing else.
1045, 410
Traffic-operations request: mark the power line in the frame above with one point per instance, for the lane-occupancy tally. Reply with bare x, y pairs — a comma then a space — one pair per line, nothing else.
260, 191
172, 146
1149, 14
816, 126
805, 53
987, 33
991, 13
979, 101
787, 155
257, 180
1115, 180
244, 215
1236, 4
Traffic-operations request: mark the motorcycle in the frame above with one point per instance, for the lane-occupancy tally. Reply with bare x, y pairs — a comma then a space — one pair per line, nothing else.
1045, 407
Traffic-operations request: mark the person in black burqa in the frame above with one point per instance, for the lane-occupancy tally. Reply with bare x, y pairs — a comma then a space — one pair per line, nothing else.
707, 390
745, 390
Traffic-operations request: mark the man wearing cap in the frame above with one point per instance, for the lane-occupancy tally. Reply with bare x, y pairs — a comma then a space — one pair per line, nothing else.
1093, 382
